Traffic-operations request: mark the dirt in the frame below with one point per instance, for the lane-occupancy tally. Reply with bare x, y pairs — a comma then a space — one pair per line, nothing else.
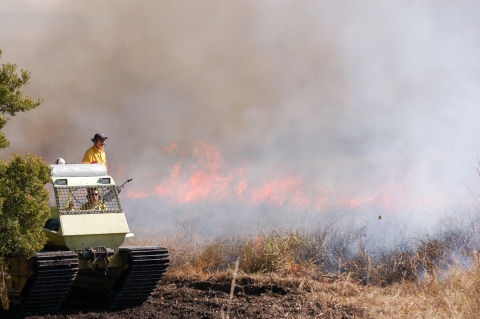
208, 299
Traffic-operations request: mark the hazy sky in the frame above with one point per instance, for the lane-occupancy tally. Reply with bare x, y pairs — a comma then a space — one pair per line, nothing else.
318, 104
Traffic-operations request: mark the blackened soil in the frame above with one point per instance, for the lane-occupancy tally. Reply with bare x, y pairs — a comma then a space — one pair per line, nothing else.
206, 299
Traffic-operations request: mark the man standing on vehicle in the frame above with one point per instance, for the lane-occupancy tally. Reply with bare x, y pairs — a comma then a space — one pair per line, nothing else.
96, 154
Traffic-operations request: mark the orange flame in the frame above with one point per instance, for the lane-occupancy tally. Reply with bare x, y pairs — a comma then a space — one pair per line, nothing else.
279, 190
207, 181
202, 177
170, 149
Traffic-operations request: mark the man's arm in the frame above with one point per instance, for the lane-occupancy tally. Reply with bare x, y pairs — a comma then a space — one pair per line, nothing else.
87, 158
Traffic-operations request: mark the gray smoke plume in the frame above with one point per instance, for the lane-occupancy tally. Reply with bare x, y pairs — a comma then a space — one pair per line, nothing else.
368, 105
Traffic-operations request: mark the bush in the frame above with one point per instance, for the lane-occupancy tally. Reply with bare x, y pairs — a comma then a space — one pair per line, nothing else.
23, 208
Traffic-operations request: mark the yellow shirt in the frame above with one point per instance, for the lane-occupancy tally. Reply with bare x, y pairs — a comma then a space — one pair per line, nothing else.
94, 155
88, 206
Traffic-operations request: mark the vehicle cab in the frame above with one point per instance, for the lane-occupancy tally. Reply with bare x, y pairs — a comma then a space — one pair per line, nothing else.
88, 212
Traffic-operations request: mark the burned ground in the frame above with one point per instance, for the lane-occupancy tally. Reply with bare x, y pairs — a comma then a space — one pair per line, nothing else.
211, 299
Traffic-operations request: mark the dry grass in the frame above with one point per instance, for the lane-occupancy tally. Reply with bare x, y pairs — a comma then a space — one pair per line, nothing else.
431, 278
457, 296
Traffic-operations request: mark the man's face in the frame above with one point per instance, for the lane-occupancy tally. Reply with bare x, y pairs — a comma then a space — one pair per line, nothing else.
92, 197
99, 144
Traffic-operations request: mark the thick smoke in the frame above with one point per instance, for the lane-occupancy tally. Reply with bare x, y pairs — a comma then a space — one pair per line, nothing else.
368, 106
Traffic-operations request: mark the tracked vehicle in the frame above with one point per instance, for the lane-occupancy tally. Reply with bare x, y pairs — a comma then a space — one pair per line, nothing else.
84, 261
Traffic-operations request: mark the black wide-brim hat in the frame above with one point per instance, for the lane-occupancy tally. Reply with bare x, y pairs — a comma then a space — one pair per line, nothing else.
99, 136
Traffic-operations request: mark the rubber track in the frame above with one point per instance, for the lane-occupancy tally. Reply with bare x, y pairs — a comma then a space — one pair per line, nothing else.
147, 265
54, 275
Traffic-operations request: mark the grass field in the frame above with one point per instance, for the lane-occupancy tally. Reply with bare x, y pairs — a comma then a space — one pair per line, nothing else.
429, 276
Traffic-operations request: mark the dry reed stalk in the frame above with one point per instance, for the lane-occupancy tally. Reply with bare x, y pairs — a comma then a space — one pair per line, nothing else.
232, 290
